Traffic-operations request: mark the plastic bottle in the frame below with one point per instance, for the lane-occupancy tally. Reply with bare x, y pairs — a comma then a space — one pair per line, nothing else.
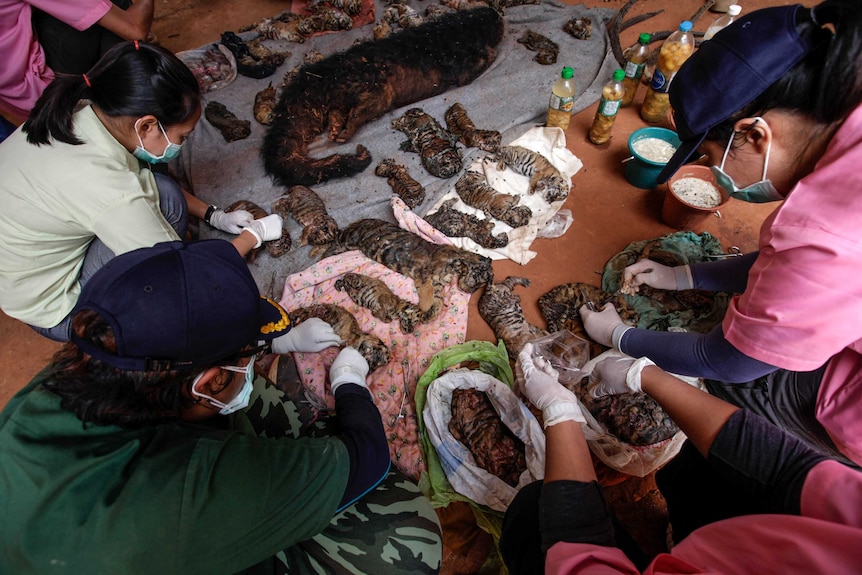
609, 105
732, 12
721, 5
562, 100
637, 57
675, 50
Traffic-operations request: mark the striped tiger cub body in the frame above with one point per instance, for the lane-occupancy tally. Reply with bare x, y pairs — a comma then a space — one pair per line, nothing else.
475, 192
457, 224
460, 124
401, 182
306, 207
544, 177
435, 146
501, 308
374, 294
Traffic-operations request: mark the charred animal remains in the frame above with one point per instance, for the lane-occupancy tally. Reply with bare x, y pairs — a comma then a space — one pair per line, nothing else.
231, 127
306, 207
253, 59
545, 48
344, 324
264, 102
580, 28
457, 224
431, 266
501, 308
401, 182
475, 192
476, 424
275, 248
426, 137
374, 294
459, 124
544, 177
346, 90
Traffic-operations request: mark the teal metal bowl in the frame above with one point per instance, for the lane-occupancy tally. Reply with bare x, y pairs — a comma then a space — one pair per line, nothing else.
641, 172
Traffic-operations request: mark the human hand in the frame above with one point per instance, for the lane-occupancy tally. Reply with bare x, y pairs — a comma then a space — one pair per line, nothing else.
265, 229
651, 273
604, 327
540, 384
231, 222
310, 336
617, 374
349, 367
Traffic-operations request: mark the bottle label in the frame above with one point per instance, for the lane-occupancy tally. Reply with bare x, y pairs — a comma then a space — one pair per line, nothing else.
564, 104
609, 107
634, 70
660, 82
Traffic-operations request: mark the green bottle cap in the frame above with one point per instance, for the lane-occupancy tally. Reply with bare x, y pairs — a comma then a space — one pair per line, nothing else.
619, 75
644, 38
567, 73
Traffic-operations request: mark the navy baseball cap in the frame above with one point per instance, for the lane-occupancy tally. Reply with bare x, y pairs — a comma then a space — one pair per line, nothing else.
729, 71
179, 306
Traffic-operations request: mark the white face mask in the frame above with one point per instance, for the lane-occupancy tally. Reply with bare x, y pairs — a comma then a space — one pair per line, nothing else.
758, 192
241, 399
171, 150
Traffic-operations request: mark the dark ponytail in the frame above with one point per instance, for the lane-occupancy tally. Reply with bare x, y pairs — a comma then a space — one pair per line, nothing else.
131, 79
826, 85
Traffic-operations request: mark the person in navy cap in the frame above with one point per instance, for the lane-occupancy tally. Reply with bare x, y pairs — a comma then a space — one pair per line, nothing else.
129, 453
773, 103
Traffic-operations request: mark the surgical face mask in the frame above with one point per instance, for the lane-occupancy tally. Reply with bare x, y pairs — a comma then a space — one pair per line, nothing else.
241, 399
171, 150
758, 192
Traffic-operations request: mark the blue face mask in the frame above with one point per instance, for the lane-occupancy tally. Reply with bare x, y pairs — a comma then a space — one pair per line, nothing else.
758, 192
241, 399
171, 150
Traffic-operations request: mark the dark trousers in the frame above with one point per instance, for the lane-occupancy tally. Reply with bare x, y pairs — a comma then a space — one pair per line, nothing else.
70, 51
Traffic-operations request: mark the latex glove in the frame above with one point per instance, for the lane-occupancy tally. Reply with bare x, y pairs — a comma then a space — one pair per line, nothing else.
349, 367
310, 336
648, 272
231, 222
265, 229
540, 384
605, 326
615, 375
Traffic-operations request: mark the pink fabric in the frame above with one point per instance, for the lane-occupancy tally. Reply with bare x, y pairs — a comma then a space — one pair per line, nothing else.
833, 492
316, 285
753, 544
24, 74
803, 300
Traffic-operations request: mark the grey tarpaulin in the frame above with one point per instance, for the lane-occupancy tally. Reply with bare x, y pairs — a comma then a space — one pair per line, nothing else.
511, 96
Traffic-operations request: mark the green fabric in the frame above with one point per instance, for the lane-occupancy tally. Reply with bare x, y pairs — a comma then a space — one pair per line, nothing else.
173, 498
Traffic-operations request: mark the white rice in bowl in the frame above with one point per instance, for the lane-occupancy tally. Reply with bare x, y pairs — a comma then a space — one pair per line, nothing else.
654, 149
696, 192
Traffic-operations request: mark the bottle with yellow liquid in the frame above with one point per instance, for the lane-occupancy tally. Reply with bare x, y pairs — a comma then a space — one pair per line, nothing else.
635, 62
562, 100
674, 52
609, 105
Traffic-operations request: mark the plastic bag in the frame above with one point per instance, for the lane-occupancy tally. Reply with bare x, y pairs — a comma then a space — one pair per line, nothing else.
461, 469
557, 225
213, 66
565, 351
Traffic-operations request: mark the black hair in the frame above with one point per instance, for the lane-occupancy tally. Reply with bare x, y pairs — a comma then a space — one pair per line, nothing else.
826, 85
131, 79
104, 395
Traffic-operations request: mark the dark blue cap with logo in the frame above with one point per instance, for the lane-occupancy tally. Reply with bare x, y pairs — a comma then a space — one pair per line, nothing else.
179, 306
729, 71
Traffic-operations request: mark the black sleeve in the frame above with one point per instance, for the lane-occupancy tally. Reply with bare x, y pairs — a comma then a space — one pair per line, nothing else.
575, 512
361, 430
729, 274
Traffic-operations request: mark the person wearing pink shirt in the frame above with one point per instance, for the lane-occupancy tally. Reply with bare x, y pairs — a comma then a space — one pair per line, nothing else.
43, 37
764, 501
774, 104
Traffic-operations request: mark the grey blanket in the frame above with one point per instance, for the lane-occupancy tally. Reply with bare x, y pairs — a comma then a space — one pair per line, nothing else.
511, 97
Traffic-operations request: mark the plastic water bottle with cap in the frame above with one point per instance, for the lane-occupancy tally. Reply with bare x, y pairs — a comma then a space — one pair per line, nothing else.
562, 100
609, 105
636, 58
674, 52
722, 21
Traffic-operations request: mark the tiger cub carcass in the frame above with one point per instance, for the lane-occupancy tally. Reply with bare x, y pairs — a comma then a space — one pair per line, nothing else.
501, 308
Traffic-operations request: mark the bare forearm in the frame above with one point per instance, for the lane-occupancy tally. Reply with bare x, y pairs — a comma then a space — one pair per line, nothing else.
132, 23
197, 207
566, 453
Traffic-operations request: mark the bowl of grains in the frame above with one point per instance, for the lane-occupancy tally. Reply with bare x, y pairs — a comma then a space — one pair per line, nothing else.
692, 196
651, 148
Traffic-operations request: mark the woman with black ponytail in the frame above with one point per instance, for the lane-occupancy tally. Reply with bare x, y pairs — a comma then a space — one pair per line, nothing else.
78, 185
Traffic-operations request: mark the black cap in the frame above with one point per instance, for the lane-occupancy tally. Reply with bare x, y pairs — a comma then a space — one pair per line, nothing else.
179, 306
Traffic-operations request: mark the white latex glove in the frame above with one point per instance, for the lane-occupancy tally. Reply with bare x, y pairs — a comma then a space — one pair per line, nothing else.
310, 336
265, 229
349, 367
542, 387
615, 375
605, 326
231, 222
648, 272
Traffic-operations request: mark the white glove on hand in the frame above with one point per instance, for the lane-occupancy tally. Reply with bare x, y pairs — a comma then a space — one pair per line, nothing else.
310, 336
265, 229
648, 272
349, 367
605, 326
231, 222
540, 384
615, 375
